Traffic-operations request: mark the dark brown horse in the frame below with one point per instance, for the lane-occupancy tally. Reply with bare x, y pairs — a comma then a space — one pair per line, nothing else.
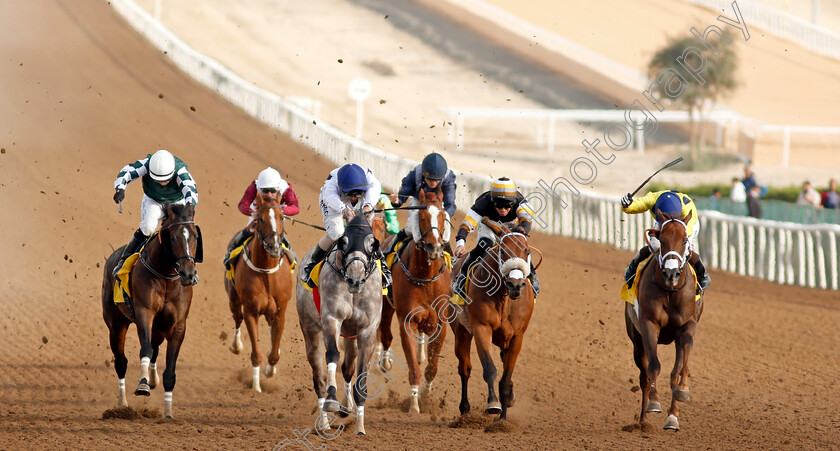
498, 309
665, 312
161, 292
262, 286
421, 291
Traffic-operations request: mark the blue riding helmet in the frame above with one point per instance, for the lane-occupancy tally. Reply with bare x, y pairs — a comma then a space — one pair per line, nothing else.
669, 203
434, 167
351, 177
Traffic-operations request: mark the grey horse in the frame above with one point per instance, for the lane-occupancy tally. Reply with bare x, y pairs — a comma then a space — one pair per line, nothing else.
350, 289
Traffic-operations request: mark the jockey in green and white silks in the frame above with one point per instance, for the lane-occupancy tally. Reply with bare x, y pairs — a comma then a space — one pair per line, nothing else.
165, 179
675, 204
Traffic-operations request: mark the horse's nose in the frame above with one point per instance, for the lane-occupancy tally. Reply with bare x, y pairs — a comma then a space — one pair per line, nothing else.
671, 275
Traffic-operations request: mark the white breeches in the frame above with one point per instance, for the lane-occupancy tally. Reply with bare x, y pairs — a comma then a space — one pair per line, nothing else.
151, 212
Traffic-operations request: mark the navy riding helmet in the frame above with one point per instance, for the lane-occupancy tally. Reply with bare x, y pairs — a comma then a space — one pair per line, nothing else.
669, 203
351, 177
434, 167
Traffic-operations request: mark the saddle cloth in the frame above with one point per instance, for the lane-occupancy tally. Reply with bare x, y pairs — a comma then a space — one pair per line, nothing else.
631, 295
122, 288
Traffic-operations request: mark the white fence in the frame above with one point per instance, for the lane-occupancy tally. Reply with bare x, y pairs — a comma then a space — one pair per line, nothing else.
784, 253
780, 24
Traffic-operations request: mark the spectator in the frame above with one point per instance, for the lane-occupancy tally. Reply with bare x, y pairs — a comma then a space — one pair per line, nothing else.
739, 191
808, 196
754, 202
830, 198
749, 179
715, 198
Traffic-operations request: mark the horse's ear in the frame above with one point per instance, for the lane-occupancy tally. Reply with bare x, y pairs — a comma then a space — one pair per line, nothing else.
439, 193
199, 246
659, 216
422, 196
687, 217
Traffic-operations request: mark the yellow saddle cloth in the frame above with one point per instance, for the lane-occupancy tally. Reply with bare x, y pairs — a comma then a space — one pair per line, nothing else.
632, 294
389, 259
316, 273
230, 273
122, 289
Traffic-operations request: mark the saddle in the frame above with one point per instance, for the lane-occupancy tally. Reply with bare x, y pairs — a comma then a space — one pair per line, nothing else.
631, 295
122, 286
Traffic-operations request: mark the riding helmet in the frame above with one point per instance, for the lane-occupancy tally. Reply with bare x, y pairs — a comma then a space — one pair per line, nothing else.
503, 190
668, 203
269, 178
351, 177
434, 166
161, 166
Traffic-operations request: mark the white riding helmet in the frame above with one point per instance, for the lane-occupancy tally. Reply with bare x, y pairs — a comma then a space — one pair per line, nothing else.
270, 178
161, 166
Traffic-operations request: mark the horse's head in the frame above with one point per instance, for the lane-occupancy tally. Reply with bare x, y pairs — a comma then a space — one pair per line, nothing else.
674, 249
430, 228
269, 223
357, 247
514, 262
181, 238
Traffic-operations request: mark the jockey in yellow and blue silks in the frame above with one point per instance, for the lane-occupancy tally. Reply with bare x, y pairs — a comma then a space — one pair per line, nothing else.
674, 204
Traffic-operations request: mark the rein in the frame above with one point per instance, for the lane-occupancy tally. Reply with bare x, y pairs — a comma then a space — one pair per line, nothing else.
416, 280
682, 258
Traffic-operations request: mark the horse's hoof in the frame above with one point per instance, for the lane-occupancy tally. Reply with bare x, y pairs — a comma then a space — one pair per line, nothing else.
331, 405
270, 370
493, 408
142, 389
654, 406
672, 424
414, 405
681, 395
234, 350
512, 400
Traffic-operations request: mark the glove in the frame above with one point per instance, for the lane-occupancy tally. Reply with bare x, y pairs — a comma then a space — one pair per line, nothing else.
119, 195
626, 200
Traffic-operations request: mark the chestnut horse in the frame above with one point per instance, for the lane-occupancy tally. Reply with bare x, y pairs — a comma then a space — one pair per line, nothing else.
421, 290
262, 286
498, 309
161, 294
666, 312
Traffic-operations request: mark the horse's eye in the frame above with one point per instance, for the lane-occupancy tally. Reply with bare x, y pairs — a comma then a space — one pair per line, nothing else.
369, 244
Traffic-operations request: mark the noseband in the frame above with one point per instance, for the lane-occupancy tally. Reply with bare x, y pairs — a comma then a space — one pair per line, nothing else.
369, 263
682, 258
265, 239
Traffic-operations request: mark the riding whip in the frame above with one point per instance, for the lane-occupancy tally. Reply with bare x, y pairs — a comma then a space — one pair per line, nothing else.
657, 172
305, 223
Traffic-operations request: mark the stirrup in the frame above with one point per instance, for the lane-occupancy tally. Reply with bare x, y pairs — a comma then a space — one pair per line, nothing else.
117, 268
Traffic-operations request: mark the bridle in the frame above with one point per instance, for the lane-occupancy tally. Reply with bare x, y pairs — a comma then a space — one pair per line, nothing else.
681, 258
178, 258
422, 245
368, 262
265, 241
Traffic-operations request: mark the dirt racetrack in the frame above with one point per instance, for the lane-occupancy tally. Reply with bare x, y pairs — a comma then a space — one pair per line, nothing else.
83, 95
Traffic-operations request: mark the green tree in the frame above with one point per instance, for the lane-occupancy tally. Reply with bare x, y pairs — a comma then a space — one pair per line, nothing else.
718, 74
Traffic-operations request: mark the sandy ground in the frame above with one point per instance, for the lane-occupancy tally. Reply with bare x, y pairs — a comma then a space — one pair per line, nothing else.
89, 96
294, 50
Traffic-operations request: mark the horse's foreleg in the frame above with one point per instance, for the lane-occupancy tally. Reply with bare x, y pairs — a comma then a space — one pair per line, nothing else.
506, 382
364, 346
154, 376
409, 337
117, 339
649, 337
277, 325
348, 367
332, 331
312, 340
236, 311
173, 347
679, 376
386, 337
252, 324
143, 321
483, 335
434, 348
463, 343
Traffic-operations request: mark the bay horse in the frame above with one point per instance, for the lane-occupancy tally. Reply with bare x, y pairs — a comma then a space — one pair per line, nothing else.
498, 310
350, 290
161, 293
666, 312
420, 295
262, 286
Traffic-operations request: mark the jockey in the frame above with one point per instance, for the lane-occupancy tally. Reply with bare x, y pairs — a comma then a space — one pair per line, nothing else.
165, 179
428, 176
392, 223
674, 204
504, 204
347, 189
271, 186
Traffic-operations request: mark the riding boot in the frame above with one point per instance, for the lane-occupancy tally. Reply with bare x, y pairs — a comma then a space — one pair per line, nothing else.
130, 248
703, 278
400, 236
318, 256
291, 255
630, 273
386, 273
535, 284
236, 241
